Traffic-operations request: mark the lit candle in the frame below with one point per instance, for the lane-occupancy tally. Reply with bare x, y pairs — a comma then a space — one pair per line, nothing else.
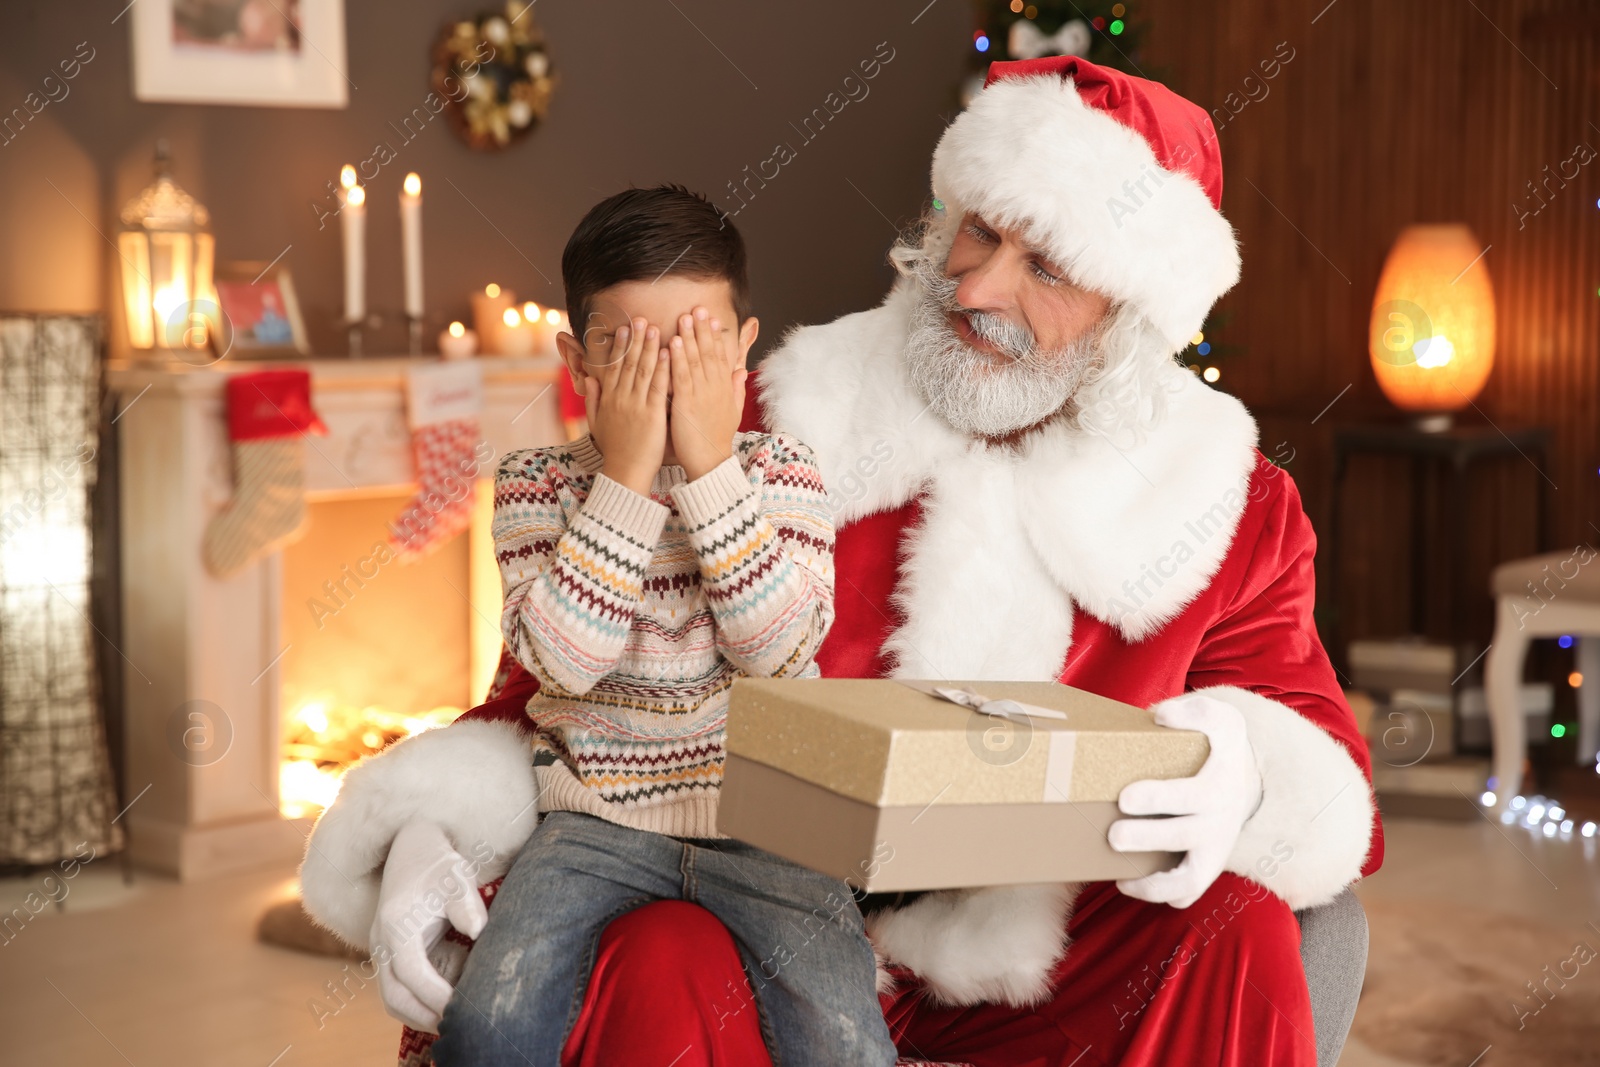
533, 314
353, 221
411, 242
457, 342
488, 308
516, 336
556, 322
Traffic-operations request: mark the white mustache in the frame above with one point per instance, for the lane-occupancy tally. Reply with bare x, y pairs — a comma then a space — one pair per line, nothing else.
1009, 338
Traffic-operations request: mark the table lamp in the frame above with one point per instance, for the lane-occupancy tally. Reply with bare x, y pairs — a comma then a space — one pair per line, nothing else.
1431, 336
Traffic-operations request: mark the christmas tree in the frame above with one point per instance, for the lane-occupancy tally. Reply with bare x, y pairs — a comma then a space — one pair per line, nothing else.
1011, 29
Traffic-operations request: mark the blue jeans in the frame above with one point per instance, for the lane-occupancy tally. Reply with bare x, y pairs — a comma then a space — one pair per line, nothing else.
800, 935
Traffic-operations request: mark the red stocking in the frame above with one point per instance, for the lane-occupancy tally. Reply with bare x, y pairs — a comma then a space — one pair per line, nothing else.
443, 403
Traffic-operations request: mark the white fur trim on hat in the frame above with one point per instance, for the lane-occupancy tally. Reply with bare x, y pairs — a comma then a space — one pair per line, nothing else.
474, 779
1029, 153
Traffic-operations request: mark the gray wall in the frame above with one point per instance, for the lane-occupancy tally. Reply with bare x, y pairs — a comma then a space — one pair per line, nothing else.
644, 98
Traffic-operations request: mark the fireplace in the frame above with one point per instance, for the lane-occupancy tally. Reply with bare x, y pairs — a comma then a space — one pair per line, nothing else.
247, 696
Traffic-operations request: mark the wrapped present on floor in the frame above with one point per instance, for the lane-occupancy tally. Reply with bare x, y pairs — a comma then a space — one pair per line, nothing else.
896, 785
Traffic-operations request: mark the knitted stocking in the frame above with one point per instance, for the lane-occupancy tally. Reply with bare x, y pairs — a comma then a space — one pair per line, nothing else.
268, 413
443, 402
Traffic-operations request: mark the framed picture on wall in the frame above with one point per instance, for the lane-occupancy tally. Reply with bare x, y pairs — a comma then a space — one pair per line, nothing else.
283, 53
260, 313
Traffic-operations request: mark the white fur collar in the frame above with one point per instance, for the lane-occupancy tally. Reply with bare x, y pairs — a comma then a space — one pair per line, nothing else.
1131, 534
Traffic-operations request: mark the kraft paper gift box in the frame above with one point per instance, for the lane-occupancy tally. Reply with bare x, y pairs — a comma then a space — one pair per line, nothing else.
890, 787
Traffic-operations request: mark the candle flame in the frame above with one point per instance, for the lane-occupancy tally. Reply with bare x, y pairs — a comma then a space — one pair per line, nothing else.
356, 196
511, 318
457, 330
491, 290
347, 176
168, 299
553, 317
413, 184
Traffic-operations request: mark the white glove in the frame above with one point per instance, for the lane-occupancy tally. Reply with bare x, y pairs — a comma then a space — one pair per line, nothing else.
1210, 809
426, 883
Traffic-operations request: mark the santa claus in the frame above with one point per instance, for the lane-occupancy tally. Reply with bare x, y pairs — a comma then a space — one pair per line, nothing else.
1027, 486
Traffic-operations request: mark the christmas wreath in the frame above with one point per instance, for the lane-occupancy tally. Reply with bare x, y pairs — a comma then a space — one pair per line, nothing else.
495, 76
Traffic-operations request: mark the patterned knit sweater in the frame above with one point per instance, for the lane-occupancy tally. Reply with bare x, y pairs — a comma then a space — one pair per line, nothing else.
637, 613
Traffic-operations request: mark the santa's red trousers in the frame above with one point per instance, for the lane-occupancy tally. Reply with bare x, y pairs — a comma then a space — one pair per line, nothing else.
1219, 983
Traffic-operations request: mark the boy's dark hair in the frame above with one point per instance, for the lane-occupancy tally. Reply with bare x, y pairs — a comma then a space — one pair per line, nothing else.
641, 234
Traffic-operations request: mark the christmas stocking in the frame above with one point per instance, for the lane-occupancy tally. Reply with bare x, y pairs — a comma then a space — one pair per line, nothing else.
443, 401
268, 414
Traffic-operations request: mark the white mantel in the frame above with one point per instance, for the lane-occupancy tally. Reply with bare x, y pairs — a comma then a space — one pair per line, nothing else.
189, 636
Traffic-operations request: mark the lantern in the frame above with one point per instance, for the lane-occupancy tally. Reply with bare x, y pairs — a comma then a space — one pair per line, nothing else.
1432, 331
166, 252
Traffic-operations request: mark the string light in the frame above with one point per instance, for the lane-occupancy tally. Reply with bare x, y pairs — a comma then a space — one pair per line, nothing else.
1558, 730
981, 42
491, 290
1211, 374
1575, 679
1116, 27
1016, 6
1117, 10
1541, 816
1565, 640
1204, 348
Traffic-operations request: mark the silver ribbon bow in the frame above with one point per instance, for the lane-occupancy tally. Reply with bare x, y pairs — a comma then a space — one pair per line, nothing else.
1002, 709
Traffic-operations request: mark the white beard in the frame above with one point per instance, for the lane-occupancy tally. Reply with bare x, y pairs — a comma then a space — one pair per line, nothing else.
968, 389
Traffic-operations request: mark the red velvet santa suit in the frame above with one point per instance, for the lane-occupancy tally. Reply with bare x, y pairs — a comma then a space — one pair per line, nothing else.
1136, 566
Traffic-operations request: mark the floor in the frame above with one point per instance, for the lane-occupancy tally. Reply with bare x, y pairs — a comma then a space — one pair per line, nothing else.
158, 973
1509, 870
171, 975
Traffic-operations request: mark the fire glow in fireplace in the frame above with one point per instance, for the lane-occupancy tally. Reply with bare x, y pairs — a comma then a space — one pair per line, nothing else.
377, 649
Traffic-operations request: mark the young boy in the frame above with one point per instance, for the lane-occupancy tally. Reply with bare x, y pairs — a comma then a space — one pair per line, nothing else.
646, 566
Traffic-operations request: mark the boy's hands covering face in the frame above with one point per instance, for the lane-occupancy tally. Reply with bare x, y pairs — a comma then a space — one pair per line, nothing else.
707, 394
626, 401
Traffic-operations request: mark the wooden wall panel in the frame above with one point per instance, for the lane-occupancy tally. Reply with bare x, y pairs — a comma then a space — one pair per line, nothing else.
1388, 114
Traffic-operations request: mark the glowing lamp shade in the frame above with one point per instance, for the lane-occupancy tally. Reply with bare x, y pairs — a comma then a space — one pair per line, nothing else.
166, 253
1432, 332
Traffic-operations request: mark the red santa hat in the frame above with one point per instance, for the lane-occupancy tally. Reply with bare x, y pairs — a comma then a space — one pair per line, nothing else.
1117, 179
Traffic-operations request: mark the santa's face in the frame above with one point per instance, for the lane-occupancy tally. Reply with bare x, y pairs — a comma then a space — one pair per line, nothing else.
1001, 339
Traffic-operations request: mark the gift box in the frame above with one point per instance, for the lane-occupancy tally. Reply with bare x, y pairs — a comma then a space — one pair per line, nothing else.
897, 785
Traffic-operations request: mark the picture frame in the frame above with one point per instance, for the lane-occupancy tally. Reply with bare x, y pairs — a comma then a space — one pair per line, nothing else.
260, 313
257, 53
